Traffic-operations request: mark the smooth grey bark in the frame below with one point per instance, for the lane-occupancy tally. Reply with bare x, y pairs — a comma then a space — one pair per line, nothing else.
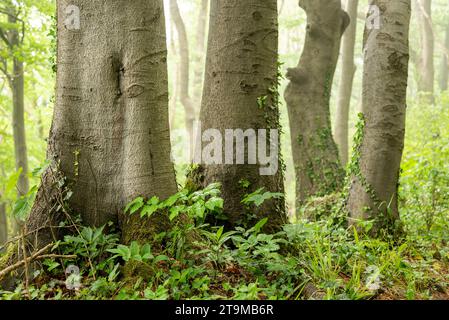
348, 70
241, 69
110, 130
444, 68
426, 67
374, 184
315, 154
184, 68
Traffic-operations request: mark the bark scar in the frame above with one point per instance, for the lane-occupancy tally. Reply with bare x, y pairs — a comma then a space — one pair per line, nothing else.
134, 90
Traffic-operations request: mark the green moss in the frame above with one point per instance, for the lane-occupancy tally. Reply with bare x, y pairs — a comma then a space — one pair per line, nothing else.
133, 270
321, 208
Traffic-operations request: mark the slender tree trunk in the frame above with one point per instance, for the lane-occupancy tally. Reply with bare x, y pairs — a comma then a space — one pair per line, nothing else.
3, 223
375, 169
347, 77
110, 131
40, 124
240, 92
444, 69
315, 154
173, 97
184, 68
281, 7
173, 100
18, 114
200, 51
426, 73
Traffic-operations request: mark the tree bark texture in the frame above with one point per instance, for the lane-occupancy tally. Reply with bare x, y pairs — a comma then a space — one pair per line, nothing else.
315, 154
110, 130
376, 166
241, 71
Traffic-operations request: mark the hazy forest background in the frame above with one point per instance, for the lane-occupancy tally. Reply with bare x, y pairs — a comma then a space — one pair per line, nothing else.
315, 256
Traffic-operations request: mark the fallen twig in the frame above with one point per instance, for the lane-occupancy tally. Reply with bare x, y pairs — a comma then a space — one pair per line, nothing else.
38, 255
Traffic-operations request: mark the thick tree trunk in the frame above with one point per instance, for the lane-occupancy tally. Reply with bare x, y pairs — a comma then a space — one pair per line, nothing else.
347, 77
376, 163
315, 154
426, 72
200, 51
18, 116
240, 92
184, 68
444, 69
110, 131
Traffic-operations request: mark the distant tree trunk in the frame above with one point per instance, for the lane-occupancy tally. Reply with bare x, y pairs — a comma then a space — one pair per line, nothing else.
200, 51
110, 131
315, 154
426, 74
281, 7
375, 169
18, 113
444, 72
3, 223
347, 77
174, 100
174, 95
240, 92
40, 124
184, 68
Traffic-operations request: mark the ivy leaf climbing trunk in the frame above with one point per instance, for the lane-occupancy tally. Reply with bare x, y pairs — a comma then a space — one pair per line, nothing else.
315, 154
110, 134
377, 156
348, 69
240, 92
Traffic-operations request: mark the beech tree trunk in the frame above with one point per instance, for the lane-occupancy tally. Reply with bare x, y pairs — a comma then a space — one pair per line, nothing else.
240, 92
347, 77
426, 74
315, 154
110, 131
184, 68
375, 169
444, 69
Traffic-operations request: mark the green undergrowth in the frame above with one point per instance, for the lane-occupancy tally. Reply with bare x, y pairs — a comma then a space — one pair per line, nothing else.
237, 264
196, 260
